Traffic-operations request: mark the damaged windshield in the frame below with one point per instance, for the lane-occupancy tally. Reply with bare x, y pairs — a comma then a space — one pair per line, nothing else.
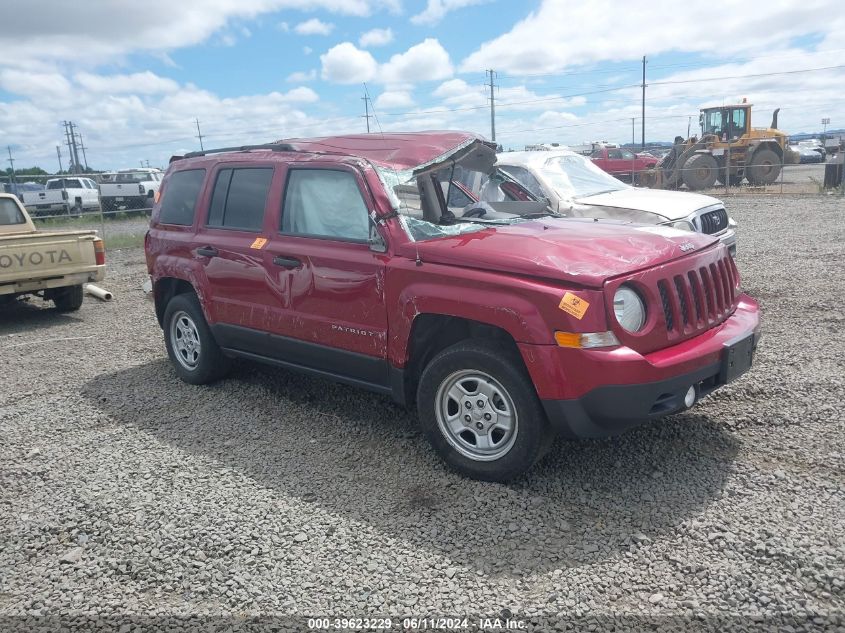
577, 177
455, 200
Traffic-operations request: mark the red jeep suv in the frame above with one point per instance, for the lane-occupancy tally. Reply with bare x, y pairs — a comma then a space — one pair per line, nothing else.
504, 322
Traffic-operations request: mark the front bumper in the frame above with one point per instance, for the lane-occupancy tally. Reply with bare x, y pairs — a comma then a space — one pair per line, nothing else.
26, 286
728, 238
599, 393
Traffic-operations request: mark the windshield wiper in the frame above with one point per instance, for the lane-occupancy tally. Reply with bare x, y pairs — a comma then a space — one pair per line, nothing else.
483, 221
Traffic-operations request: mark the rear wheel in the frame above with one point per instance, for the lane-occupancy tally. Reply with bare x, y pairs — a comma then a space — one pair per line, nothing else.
700, 171
195, 355
764, 168
68, 299
479, 410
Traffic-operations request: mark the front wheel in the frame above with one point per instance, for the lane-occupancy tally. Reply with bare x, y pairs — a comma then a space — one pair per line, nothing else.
700, 172
764, 168
479, 410
190, 345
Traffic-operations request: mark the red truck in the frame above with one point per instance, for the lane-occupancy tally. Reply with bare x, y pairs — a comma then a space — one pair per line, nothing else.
340, 257
622, 162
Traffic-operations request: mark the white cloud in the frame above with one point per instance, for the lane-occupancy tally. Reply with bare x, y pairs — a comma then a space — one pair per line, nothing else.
563, 34
314, 26
451, 89
284, 27
301, 76
34, 84
375, 37
436, 10
34, 31
425, 61
394, 99
307, 50
140, 83
302, 94
347, 64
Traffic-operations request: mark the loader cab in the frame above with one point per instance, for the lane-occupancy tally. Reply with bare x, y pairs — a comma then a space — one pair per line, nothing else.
727, 122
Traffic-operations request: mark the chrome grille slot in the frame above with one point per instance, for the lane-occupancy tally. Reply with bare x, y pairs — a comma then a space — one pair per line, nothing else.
714, 221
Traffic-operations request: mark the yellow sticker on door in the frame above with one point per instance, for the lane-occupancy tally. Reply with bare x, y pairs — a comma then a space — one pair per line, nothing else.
573, 305
259, 242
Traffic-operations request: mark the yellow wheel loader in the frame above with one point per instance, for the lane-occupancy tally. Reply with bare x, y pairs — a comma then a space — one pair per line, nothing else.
728, 151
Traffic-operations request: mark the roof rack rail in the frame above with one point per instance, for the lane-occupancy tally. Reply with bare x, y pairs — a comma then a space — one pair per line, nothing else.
276, 147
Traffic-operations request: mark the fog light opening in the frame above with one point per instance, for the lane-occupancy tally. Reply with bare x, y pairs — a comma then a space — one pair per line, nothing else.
689, 397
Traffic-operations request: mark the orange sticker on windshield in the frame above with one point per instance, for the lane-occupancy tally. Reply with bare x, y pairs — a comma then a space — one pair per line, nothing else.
259, 242
573, 305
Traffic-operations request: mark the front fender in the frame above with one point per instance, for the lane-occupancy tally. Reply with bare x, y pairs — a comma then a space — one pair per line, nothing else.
528, 310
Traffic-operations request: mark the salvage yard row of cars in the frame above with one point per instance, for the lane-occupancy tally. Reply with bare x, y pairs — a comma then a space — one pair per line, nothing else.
506, 310
73, 195
508, 300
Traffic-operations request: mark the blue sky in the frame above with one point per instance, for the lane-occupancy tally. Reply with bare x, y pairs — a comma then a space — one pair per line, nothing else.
134, 78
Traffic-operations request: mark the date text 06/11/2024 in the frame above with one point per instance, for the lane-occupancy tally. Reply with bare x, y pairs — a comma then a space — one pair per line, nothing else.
416, 624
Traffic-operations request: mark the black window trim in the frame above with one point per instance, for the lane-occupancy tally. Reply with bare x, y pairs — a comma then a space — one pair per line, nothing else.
327, 238
204, 171
232, 167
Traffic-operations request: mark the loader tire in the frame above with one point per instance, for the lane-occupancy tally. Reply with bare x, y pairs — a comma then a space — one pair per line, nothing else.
700, 172
764, 168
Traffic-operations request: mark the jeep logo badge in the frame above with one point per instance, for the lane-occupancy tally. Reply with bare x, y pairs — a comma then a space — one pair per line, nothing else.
686, 246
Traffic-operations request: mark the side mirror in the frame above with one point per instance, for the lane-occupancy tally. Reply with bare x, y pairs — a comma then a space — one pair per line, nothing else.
375, 240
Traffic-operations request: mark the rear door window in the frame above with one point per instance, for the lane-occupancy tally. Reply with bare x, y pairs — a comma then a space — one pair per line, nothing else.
180, 197
239, 198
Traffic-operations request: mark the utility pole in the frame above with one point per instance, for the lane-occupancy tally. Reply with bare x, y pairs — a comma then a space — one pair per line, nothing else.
492, 74
83, 148
70, 166
642, 138
633, 138
825, 123
199, 135
59, 156
12, 161
367, 115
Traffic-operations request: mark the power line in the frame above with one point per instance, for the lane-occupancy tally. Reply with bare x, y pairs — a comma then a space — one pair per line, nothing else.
772, 74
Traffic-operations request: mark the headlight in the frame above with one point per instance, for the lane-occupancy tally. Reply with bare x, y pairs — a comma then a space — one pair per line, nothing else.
629, 309
683, 225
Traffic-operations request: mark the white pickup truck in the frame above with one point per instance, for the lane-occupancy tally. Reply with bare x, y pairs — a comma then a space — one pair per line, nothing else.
50, 264
70, 194
129, 188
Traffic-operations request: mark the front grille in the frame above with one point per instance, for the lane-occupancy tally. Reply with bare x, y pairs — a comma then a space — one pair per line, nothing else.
700, 299
714, 221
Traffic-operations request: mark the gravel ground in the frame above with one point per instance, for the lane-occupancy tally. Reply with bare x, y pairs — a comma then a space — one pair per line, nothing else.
125, 492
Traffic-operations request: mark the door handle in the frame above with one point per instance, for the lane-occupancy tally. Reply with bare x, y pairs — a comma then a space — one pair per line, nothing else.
287, 262
207, 251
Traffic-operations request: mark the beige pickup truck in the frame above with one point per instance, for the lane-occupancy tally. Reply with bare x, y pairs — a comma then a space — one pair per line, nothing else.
50, 264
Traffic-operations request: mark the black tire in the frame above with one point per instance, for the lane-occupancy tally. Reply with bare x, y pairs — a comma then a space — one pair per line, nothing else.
700, 172
530, 437
68, 299
107, 205
764, 168
210, 363
735, 180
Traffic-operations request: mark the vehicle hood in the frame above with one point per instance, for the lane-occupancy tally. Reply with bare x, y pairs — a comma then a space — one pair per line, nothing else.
672, 205
579, 251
